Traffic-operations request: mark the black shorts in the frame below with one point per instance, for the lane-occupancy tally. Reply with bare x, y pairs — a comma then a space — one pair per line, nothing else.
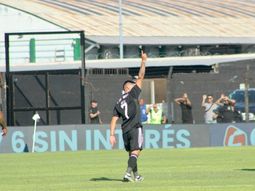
133, 139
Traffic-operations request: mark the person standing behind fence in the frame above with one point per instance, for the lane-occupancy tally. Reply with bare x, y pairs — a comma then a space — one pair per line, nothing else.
186, 108
209, 106
225, 113
143, 111
157, 115
3, 124
94, 113
2, 120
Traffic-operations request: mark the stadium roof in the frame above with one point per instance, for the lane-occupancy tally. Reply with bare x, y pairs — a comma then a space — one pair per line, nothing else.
131, 63
151, 21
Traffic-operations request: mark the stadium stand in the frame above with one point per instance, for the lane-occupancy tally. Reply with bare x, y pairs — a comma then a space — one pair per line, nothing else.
163, 28
183, 18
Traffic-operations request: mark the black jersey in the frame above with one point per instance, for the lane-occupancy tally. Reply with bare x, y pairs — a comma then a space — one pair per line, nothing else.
94, 120
128, 109
186, 113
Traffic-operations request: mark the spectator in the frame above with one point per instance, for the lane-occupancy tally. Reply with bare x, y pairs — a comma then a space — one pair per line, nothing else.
209, 106
237, 116
186, 108
156, 115
225, 113
94, 113
3, 124
143, 112
165, 109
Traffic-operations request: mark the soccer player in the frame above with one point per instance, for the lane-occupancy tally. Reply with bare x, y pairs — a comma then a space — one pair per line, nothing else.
128, 109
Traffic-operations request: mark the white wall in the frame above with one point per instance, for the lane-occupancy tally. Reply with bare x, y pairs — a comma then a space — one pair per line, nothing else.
12, 20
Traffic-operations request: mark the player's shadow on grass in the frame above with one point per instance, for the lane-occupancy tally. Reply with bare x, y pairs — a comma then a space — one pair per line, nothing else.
248, 169
105, 179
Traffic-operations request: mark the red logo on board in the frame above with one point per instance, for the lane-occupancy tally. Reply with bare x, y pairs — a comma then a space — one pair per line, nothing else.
235, 137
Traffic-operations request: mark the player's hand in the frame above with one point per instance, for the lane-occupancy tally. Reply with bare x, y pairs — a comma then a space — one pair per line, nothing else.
185, 95
143, 56
4, 131
112, 140
204, 97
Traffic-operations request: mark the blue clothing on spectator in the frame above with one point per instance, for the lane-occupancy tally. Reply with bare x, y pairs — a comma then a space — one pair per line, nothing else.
144, 117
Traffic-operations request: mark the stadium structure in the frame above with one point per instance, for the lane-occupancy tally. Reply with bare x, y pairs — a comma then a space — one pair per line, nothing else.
188, 44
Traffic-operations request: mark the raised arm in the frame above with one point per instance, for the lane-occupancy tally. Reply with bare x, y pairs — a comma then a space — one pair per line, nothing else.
231, 101
218, 102
178, 100
203, 100
187, 99
141, 73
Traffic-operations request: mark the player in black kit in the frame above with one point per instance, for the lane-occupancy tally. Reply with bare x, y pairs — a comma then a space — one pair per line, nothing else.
128, 109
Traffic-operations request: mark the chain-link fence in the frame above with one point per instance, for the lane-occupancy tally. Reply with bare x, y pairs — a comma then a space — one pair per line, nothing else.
235, 80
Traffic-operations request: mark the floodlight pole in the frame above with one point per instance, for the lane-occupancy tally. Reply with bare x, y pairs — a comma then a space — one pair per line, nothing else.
120, 29
246, 94
8, 81
83, 76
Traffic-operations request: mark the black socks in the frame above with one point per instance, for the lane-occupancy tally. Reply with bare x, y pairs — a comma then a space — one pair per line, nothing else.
132, 164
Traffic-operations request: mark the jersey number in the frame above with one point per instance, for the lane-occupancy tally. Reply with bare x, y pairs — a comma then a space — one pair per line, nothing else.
124, 106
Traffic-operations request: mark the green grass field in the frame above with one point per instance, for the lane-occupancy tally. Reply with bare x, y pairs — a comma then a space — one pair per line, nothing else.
174, 169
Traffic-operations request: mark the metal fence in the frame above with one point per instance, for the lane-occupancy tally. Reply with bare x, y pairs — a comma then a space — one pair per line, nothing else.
58, 95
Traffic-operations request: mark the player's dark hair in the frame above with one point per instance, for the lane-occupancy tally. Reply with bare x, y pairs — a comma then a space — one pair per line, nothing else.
127, 81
